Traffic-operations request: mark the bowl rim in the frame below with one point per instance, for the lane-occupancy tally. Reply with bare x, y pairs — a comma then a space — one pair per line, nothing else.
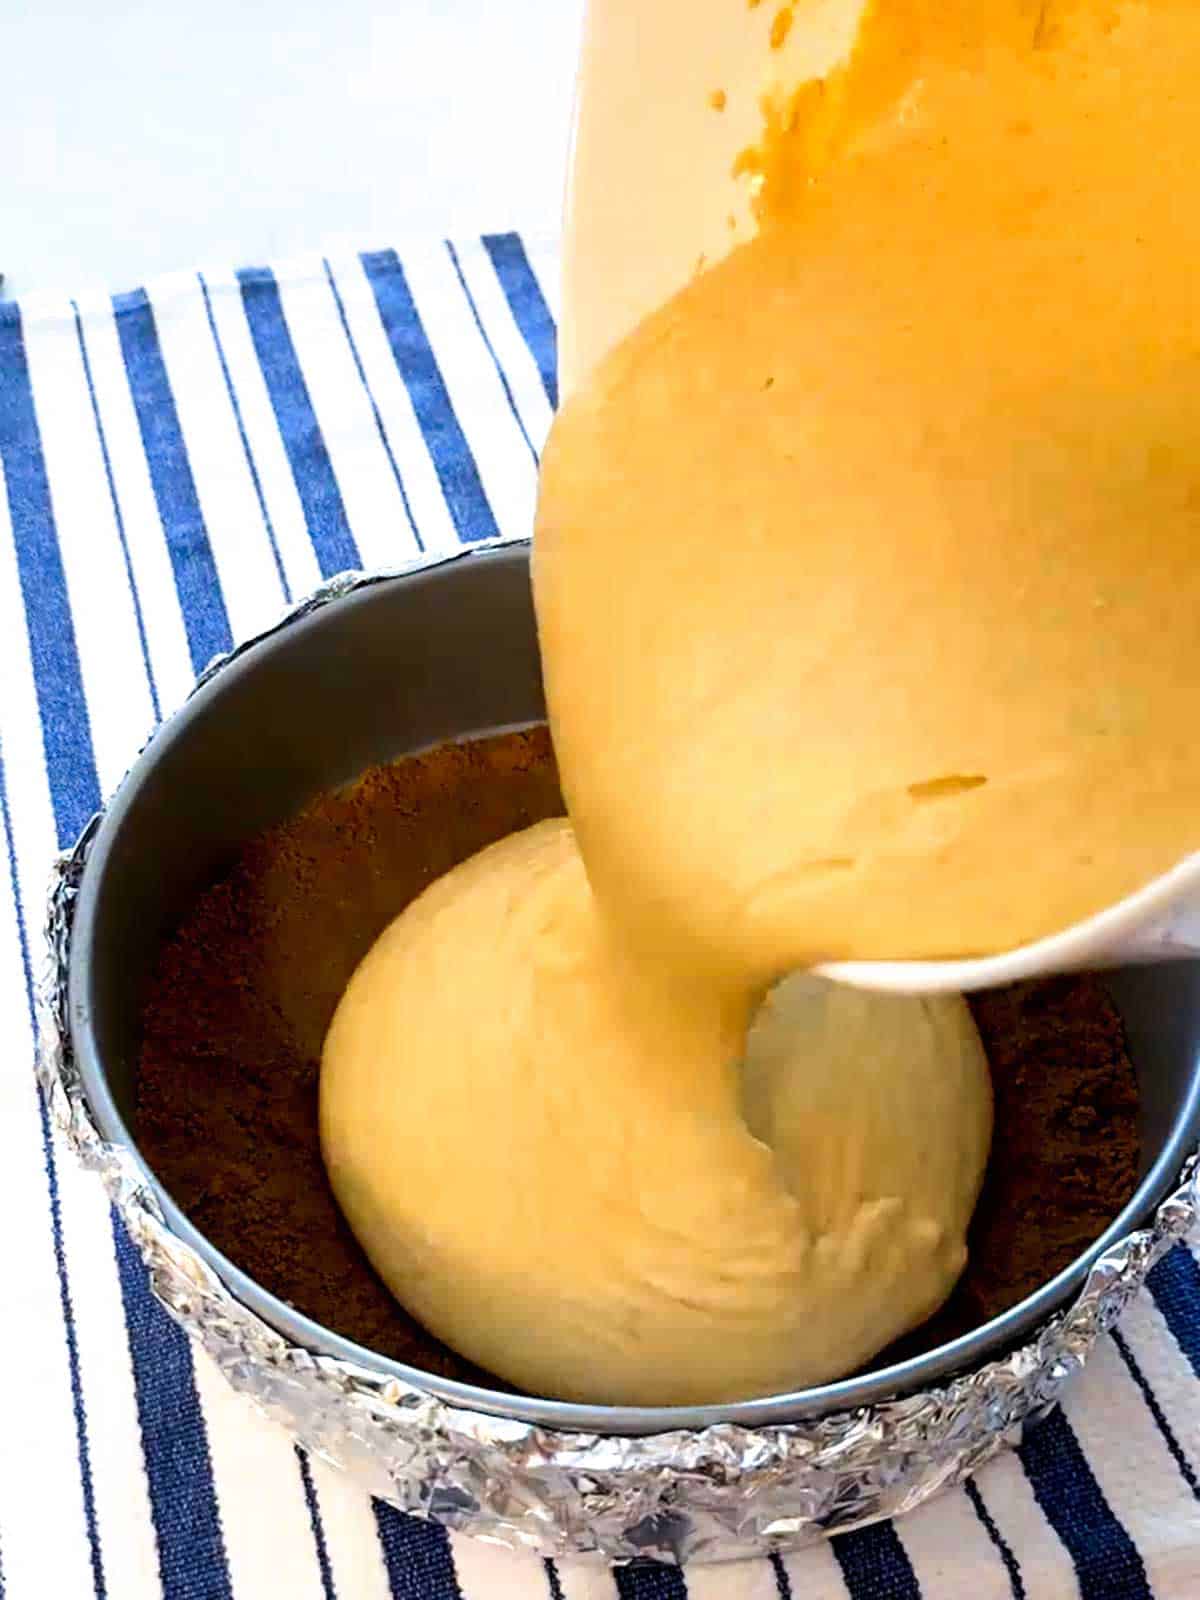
968, 1351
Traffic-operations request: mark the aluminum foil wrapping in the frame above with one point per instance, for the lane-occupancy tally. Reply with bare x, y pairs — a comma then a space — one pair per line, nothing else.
720, 1493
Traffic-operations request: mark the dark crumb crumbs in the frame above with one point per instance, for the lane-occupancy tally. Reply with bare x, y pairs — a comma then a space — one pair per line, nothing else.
237, 1011
245, 990
1065, 1149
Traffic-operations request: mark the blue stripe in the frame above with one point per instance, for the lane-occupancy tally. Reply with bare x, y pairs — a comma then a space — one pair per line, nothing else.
553, 1581
375, 412
1003, 1549
310, 1489
1156, 1411
417, 1557
1175, 1285
303, 442
194, 621
648, 1580
528, 304
490, 348
447, 444
205, 618
783, 1583
875, 1565
183, 1501
183, 1504
66, 1305
119, 518
65, 733
328, 1586
1106, 1559
241, 428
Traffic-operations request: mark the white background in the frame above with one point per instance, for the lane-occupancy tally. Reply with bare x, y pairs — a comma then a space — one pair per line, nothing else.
140, 138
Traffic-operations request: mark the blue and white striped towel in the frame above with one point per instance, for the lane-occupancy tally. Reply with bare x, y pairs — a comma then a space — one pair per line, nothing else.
175, 465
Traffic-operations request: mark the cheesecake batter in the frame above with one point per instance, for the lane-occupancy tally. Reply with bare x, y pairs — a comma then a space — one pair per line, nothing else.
872, 555
551, 1156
